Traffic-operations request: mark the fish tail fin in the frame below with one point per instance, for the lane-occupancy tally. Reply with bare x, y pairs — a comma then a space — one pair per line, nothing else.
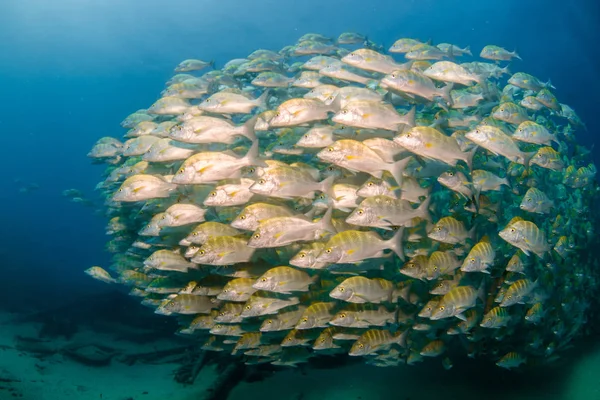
400, 338
471, 233
326, 186
252, 156
397, 169
211, 64
336, 104
409, 117
261, 101
467, 50
325, 221
395, 243
481, 295
469, 157
451, 53
445, 93
515, 55
527, 158
247, 130
423, 209
549, 84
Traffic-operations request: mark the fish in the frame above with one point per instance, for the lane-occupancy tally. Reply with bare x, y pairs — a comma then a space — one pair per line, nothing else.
450, 230
372, 114
209, 167
371, 60
526, 236
168, 260
432, 144
354, 246
238, 290
284, 280
364, 316
359, 289
354, 155
536, 201
456, 302
383, 212
374, 340
224, 250
188, 304
499, 143
497, 53
232, 103
100, 274
301, 111
144, 187
283, 321
317, 315
518, 291
480, 258
276, 232
193, 65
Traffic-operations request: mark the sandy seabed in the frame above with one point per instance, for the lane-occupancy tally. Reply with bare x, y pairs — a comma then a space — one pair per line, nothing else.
56, 377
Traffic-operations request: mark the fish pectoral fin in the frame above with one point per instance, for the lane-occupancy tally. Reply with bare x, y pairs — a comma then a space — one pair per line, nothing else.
138, 188
203, 169
350, 157
461, 317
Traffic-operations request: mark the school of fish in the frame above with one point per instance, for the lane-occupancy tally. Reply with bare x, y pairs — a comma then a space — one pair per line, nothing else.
337, 198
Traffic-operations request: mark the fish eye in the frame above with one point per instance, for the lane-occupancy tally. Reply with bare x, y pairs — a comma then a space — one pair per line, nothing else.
451, 173
344, 111
438, 228
328, 251
181, 170
120, 190
251, 170
305, 319
513, 230
341, 289
441, 285
435, 267
262, 181
343, 315
472, 260
263, 279
323, 340
476, 130
330, 149
330, 169
528, 199
243, 217
213, 194
256, 236
442, 308
269, 321
248, 307
370, 184
360, 346
195, 234
277, 114
306, 136
202, 252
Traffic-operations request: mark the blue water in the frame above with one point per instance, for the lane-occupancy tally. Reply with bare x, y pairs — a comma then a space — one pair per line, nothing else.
71, 70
